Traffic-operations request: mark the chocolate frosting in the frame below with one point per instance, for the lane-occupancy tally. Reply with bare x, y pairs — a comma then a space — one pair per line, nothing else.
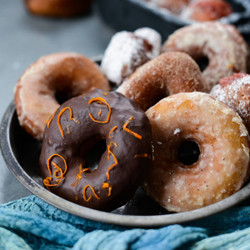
71, 133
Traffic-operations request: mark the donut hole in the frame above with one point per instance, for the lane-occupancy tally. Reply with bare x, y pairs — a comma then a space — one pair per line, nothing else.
95, 153
154, 97
62, 95
188, 152
202, 62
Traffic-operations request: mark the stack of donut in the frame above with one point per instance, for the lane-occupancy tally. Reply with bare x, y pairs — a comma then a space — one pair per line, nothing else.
162, 129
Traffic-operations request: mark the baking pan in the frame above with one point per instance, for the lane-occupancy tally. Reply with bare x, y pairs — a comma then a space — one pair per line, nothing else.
21, 154
132, 14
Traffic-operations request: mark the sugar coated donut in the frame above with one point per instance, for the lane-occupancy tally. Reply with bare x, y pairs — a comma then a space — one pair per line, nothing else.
58, 8
223, 46
207, 10
235, 92
219, 164
39, 89
71, 133
129, 50
165, 75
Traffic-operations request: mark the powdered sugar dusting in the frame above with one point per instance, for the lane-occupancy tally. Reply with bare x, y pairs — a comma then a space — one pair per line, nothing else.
127, 51
153, 37
236, 95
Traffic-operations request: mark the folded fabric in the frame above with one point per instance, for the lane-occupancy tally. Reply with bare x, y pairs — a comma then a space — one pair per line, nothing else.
31, 223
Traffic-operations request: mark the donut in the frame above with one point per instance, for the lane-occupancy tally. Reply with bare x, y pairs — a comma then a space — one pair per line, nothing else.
75, 128
175, 6
207, 10
129, 50
201, 152
58, 8
220, 44
235, 92
167, 74
49, 81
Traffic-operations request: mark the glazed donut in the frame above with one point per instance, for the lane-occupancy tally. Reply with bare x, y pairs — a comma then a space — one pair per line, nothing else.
175, 6
71, 133
129, 50
235, 92
223, 46
218, 166
207, 10
55, 76
167, 74
58, 8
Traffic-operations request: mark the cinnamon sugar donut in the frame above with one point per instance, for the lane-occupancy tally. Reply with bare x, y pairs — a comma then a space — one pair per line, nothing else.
207, 10
39, 89
235, 92
222, 44
195, 122
167, 74
58, 8
129, 50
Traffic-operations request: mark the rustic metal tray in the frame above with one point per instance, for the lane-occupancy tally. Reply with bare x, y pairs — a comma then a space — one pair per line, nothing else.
21, 153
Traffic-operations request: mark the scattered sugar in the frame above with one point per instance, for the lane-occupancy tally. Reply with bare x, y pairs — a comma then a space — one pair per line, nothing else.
153, 37
177, 131
235, 95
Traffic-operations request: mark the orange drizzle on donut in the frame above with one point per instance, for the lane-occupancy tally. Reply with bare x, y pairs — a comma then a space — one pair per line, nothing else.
145, 155
70, 117
111, 131
79, 175
59, 177
100, 100
50, 119
106, 185
100, 112
54, 164
93, 191
130, 131
108, 157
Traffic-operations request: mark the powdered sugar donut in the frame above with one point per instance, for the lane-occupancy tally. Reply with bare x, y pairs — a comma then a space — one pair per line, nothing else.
220, 166
129, 50
167, 74
235, 92
222, 44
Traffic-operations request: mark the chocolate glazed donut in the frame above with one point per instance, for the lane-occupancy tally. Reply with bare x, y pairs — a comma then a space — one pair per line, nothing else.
75, 128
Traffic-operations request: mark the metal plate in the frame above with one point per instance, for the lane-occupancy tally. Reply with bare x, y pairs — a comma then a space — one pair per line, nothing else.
21, 153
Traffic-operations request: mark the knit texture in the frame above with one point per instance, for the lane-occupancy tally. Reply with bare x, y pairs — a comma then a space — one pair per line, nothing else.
31, 223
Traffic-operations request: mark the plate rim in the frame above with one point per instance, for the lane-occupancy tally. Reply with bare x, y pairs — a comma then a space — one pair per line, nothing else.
144, 221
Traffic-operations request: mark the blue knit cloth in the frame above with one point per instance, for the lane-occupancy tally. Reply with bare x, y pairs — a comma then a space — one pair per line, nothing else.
30, 223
